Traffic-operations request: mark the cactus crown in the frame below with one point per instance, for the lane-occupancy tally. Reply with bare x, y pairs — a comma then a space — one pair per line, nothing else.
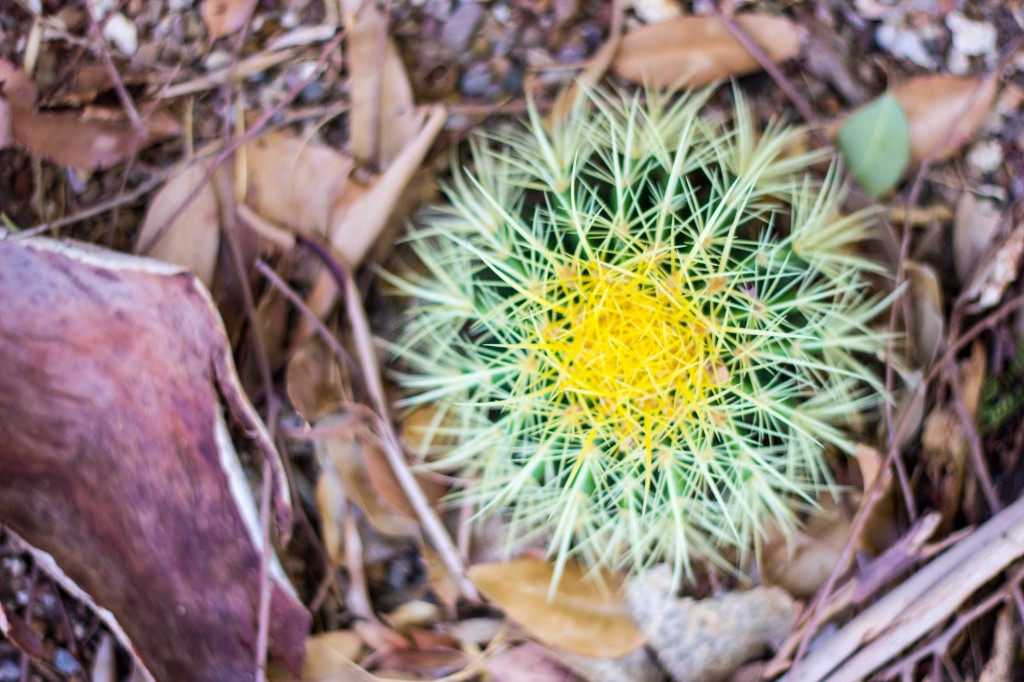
640, 328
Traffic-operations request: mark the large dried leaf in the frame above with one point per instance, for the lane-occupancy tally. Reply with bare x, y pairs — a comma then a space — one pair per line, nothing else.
330, 656
875, 142
383, 109
88, 139
362, 212
706, 640
294, 182
695, 51
194, 239
944, 111
927, 323
116, 463
586, 616
346, 457
290, 181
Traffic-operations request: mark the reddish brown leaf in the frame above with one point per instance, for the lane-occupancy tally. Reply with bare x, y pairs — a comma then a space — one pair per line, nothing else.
116, 463
88, 139
695, 51
937, 105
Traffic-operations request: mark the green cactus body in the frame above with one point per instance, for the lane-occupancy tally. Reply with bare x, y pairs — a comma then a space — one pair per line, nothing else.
640, 328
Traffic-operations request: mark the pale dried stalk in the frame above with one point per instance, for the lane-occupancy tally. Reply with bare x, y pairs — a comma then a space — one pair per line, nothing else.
917, 606
432, 525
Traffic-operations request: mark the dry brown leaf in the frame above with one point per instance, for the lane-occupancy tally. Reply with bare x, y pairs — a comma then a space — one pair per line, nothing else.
934, 105
330, 657
289, 181
116, 457
927, 322
527, 662
442, 584
316, 382
383, 109
975, 225
224, 17
294, 182
93, 138
695, 51
362, 212
192, 242
346, 457
944, 443
706, 640
992, 279
382, 479
583, 617
802, 566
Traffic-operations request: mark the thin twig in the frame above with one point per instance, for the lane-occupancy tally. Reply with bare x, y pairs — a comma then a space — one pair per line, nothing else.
115, 77
432, 525
773, 70
319, 327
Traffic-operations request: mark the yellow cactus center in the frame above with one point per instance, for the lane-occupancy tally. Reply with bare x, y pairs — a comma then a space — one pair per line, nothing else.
625, 349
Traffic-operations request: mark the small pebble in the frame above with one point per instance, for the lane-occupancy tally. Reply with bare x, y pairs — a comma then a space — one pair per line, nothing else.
905, 44
985, 156
9, 671
972, 38
66, 663
459, 28
476, 80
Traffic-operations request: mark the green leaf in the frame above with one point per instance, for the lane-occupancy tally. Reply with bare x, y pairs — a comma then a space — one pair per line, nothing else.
875, 141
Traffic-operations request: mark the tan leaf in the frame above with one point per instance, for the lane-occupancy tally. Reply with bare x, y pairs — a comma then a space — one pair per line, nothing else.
346, 457
362, 212
696, 51
975, 225
991, 280
192, 242
935, 105
294, 182
330, 657
383, 109
583, 617
316, 382
224, 17
802, 565
706, 640
927, 323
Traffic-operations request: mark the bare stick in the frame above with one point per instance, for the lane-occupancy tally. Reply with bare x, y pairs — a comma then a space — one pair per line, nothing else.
432, 525
319, 327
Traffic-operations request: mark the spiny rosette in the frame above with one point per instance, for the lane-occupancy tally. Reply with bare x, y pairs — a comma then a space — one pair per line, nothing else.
639, 329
